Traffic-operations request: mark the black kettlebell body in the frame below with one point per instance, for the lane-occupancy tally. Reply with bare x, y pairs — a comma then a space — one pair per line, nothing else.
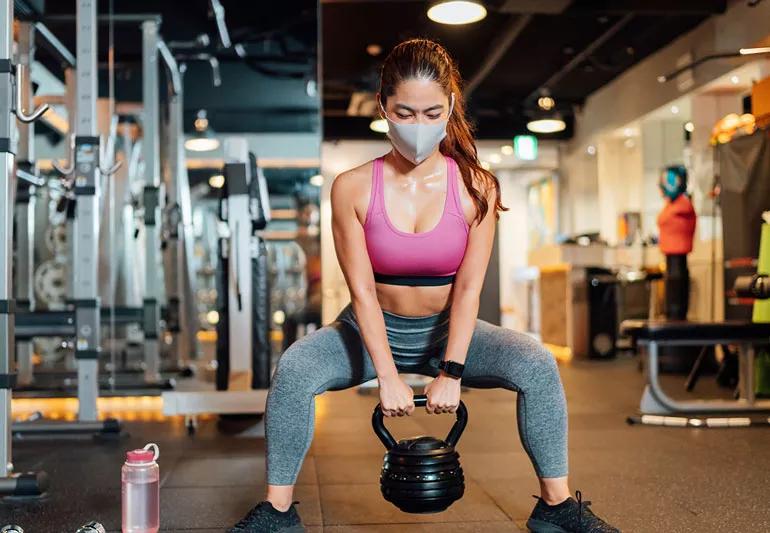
421, 474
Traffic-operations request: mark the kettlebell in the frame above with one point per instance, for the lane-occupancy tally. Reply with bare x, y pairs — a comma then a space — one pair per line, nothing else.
421, 474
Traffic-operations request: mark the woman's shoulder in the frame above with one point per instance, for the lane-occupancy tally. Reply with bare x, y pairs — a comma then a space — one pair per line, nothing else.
355, 177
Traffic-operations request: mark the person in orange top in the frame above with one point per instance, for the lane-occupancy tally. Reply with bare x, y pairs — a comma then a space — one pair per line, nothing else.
676, 223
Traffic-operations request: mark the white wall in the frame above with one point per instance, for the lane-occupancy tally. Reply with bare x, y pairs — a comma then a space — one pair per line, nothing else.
637, 93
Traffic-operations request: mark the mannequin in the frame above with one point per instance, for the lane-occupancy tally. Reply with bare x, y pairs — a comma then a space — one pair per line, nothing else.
676, 223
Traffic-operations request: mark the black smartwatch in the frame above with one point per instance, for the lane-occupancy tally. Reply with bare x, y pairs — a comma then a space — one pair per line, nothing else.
452, 368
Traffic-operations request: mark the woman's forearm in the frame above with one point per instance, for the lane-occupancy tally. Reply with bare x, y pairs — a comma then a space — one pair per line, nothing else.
372, 326
462, 322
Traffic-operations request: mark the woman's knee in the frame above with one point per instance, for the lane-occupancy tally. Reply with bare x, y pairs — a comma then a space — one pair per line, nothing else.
302, 364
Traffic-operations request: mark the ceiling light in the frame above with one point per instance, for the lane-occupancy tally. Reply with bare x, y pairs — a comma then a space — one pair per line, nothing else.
546, 103
495, 158
380, 125
628, 132
317, 180
735, 80
203, 140
506, 149
374, 49
212, 317
591, 150
689, 126
457, 12
675, 109
546, 125
217, 181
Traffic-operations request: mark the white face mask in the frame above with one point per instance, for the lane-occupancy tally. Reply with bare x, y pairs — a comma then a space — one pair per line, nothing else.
417, 141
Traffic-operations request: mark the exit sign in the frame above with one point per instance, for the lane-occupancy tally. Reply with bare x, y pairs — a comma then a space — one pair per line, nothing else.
525, 147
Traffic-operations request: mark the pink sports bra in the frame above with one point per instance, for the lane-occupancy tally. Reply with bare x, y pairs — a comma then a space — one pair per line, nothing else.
426, 258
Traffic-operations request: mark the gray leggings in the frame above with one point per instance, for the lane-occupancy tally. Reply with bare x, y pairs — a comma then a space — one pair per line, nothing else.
334, 358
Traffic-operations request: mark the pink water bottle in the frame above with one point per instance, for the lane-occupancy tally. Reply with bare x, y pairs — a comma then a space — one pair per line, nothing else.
141, 485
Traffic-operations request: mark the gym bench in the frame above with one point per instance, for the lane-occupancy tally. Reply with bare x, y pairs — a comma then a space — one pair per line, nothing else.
654, 334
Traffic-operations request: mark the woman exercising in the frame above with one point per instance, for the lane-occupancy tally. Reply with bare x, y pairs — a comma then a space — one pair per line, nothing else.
413, 232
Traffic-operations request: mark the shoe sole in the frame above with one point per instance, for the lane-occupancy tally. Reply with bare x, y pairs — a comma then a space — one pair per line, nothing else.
292, 529
538, 526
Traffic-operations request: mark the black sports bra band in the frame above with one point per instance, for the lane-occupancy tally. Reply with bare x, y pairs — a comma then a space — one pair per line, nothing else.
413, 280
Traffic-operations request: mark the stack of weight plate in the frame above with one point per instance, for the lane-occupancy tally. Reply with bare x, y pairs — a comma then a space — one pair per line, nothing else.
422, 475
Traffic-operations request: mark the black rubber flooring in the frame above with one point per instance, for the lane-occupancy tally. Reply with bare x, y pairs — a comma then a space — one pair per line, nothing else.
643, 479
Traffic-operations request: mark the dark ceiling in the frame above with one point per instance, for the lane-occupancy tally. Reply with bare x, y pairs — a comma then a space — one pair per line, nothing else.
267, 91
580, 45
271, 89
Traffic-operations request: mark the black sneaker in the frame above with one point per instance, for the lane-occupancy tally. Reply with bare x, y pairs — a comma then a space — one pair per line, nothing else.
265, 518
569, 516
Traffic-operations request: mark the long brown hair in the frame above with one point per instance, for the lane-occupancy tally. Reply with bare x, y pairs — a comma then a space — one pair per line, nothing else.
425, 59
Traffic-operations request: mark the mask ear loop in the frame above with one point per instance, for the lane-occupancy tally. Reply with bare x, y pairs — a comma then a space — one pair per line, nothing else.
451, 106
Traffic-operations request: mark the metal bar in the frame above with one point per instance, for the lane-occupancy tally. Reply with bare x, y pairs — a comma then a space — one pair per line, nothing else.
86, 226
747, 354
498, 49
656, 401
55, 46
671, 75
180, 277
157, 18
703, 342
24, 210
582, 56
7, 133
171, 67
151, 199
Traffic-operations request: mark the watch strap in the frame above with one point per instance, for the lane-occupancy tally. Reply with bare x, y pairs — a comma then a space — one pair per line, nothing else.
453, 368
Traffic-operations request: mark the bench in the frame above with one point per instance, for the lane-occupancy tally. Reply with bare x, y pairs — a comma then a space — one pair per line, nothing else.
654, 334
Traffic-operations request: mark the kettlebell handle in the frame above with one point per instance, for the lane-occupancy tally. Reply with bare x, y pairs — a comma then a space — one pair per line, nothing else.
420, 400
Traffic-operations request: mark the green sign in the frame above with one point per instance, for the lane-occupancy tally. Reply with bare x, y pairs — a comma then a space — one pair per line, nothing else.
525, 147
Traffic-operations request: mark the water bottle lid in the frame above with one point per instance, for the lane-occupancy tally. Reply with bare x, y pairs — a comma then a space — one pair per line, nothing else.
140, 456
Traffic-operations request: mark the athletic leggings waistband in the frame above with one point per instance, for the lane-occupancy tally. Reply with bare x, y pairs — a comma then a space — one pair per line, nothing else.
412, 339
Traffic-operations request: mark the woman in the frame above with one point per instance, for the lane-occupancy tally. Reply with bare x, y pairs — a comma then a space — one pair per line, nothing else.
413, 232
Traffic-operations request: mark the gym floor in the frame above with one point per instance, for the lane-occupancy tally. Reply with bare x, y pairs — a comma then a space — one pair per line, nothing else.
642, 479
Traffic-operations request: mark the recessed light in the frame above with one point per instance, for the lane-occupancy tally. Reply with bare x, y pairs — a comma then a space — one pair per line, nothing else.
374, 49
628, 132
735, 80
675, 109
506, 149
591, 150
457, 12
689, 126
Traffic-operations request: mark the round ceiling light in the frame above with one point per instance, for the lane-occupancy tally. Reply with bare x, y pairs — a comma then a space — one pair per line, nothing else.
457, 12
201, 144
379, 125
546, 125
203, 140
